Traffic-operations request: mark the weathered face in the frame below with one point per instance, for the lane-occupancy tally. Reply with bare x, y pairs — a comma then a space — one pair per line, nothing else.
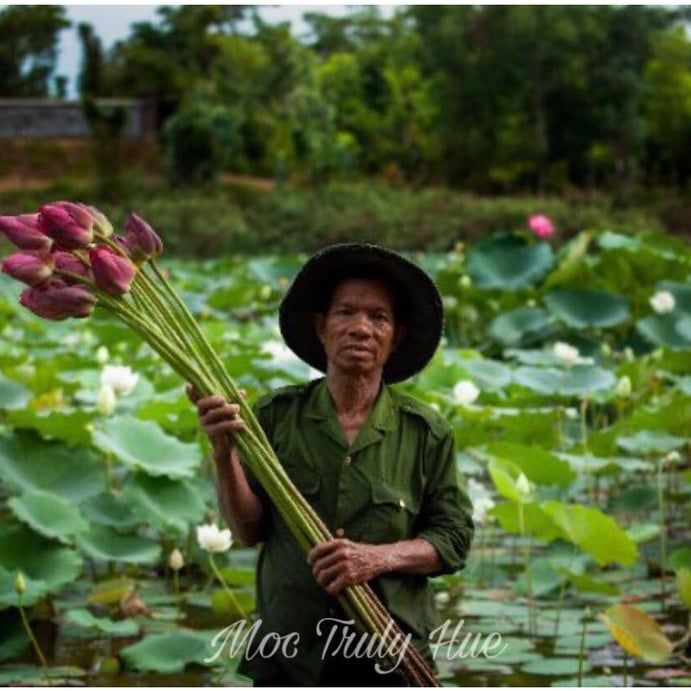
358, 331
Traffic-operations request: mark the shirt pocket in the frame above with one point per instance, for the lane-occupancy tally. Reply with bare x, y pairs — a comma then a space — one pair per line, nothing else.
392, 514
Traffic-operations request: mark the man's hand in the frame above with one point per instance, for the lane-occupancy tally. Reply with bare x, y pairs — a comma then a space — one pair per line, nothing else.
219, 420
339, 563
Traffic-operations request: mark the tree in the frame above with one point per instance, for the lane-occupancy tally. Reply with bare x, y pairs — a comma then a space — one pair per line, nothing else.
28, 48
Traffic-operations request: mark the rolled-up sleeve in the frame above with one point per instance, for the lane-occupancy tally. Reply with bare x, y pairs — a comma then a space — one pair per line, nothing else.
445, 518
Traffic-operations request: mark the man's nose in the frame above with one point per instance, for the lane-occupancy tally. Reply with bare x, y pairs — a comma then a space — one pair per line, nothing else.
360, 326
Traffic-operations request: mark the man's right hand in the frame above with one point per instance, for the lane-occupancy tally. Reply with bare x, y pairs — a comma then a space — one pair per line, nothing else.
219, 420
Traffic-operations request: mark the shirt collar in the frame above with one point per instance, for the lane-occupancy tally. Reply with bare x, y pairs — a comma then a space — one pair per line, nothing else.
320, 407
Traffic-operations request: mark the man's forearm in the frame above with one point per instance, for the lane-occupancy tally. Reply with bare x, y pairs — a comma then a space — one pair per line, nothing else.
416, 556
240, 506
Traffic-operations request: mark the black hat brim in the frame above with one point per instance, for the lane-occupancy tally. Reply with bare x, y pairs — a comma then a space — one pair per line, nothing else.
416, 293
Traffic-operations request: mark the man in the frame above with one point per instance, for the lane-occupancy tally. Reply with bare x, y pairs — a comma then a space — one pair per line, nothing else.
378, 466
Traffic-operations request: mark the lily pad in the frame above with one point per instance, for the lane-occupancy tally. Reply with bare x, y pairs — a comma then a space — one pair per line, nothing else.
164, 503
580, 380
508, 262
554, 666
85, 619
583, 308
29, 463
168, 653
143, 445
637, 632
101, 542
538, 465
521, 326
594, 532
48, 514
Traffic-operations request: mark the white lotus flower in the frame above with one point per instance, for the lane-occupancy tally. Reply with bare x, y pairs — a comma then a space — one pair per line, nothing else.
663, 301
481, 500
212, 539
465, 392
120, 378
571, 413
175, 560
279, 352
523, 485
623, 388
567, 354
106, 401
442, 598
102, 355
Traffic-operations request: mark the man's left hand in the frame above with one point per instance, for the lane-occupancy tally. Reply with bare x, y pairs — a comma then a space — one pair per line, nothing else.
339, 563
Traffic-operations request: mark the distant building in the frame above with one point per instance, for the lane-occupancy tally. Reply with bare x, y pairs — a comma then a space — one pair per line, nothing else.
37, 118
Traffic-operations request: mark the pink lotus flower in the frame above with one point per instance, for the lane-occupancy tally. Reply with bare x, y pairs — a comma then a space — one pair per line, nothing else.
541, 226
23, 232
70, 225
31, 268
141, 239
56, 300
66, 261
113, 273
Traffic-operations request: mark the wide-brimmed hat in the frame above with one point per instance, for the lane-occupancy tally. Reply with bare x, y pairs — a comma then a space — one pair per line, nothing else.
416, 294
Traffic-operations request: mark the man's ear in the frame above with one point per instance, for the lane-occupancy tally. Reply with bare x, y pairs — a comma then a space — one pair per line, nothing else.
318, 321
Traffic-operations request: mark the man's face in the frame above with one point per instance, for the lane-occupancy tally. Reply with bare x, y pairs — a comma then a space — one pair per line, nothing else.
358, 331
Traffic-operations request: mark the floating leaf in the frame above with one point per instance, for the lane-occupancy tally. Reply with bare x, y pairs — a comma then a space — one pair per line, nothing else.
648, 442
580, 380
29, 463
168, 653
508, 262
84, 618
112, 591
594, 532
520, 326
584, 308
103, 543
48, 514
637, 633
12, 394
164, 503
143, 445
554, 666
538, 465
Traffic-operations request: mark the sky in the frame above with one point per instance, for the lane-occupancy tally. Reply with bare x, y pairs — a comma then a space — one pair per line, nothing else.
112, 22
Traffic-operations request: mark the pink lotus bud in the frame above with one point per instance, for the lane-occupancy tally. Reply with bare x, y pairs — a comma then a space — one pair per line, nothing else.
23, 232
141, 239
55, 300
66, 261
541, 226
113, 274
102, 226
70, 225
31, 268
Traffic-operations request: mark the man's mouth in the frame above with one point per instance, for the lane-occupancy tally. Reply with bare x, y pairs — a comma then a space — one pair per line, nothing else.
357, 348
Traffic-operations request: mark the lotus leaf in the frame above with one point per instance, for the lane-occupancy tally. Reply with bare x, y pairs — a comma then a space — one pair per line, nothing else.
12, 394
584, 308
168, 652
48, 514
539, 466
521, 326
580, 380
536, 522
650, 442
662, 330
101, 542
110, 509
71, 426
84, 618
143, 445
555, 666
684, 583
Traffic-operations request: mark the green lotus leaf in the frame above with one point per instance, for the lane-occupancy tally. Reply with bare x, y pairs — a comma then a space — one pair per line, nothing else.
681, 292
489, 375
662, 330
538, 465
536, 522
649, 442
48, 514
595, 533
684, 584
583, 308
521, 326
103, 543
168, 653
274, 269
680, 558
580, 380
504, 474
26, 675
47, 567
14, 640
85, 619
143, 445
12, 394
508, 262
71, 426
164, 503
29, 463
587, 584
637, 633
111, 510
555, 666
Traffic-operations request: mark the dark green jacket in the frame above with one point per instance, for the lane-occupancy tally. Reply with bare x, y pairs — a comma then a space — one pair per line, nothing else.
398, 480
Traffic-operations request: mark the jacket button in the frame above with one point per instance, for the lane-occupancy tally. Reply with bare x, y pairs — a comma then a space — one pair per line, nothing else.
340, 532
347, 460
401, 503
